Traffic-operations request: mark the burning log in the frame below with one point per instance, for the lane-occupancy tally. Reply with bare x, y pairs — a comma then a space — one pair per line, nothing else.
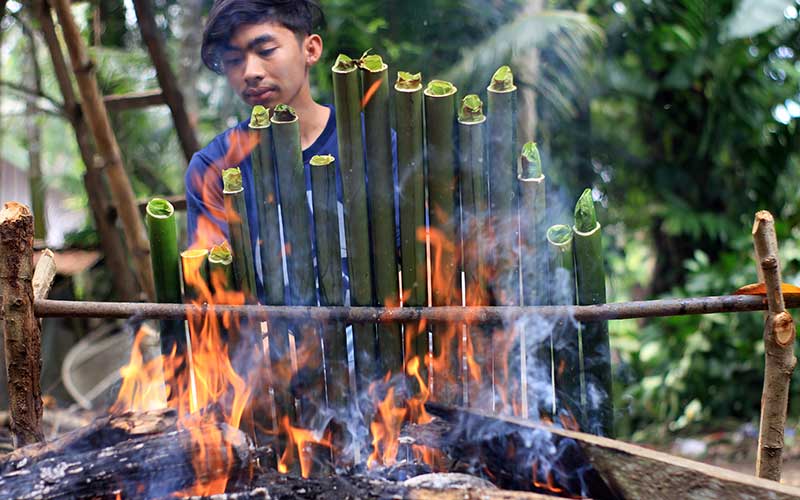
779, 337
411, 176
132, 455
380, 198
440, 108
620, 470
590, 277
347, 98
23, 341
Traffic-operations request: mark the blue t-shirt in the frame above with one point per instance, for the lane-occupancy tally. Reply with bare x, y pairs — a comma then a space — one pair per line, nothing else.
204, 199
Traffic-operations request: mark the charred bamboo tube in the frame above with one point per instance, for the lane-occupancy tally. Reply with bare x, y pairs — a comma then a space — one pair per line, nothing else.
163, 234
266, 190
503, 184
503, 199
440, 117
566, 337
411, 177
347, 98
537, 342
239, 233
329, 265
474, 201
591, 285
299, 259
380, 200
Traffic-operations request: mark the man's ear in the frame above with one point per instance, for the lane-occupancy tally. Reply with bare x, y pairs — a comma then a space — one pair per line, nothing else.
312, 49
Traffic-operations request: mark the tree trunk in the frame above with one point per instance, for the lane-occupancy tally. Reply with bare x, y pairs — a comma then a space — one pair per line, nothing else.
96, 116
190, 64
32, 76
110, 240
166, 77
22, 334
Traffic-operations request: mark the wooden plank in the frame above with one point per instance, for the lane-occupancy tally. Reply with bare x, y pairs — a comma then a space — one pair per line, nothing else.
640, 473
134, 100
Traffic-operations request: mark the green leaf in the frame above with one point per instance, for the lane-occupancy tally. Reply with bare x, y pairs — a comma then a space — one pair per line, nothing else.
752, 17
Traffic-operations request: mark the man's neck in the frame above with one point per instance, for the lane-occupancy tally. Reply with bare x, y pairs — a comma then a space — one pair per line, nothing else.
312, 116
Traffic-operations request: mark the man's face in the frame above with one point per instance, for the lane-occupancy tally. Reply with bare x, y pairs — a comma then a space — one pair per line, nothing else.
267, 64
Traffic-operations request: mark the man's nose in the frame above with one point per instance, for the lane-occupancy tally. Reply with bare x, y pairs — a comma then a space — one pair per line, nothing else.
253, 70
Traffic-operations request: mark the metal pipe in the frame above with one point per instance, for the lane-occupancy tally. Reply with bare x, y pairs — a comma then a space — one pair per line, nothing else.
477, 314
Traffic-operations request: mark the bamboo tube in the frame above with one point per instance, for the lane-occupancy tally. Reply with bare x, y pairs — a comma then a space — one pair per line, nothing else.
440, 99
220, 267
266, 190
299, 258
239, 233
411, 176
329, 265
565, 335
779, 338
380, 200
475, 205
21, 333
194, 263
535, 270
163, 234
347, 98
503, 184
591, 285
505, 290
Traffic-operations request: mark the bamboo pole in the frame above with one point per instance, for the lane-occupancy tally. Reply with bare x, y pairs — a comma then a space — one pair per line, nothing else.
299, 258
411, 177
503, 199
475, 206
329, 265
266, 188
779, 337
220, 267
244, 271
347, 98
163, 233
440, 118
537, 343
194, 266
590, 277
96, 116
567, 380
22, 335
380, 201
110, 241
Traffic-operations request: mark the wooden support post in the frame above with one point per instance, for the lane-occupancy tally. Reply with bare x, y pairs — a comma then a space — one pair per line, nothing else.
22, 334
779, 336
97, 117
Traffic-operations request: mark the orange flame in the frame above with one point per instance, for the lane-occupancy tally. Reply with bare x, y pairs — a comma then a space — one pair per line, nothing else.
370, 92
300, 442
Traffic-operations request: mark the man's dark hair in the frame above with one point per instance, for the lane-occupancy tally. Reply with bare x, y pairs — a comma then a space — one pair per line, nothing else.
300, 16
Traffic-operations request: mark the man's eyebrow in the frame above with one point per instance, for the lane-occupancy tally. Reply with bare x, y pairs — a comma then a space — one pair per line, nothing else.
255, 42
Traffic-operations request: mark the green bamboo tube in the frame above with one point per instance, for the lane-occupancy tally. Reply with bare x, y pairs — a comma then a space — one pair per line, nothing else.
474, 206
163, 233
196, 287
244, 272
440, 117
535, 268
266, 190
299, 258
502, 151
566, 337
347, 99
503, 184
329, 266
220, 268
380, 200
591, 281
411, 175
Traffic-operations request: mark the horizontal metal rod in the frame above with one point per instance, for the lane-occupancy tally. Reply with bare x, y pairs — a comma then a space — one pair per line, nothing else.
476, 314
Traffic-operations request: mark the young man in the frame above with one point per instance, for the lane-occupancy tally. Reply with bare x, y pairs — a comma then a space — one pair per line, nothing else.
265, 49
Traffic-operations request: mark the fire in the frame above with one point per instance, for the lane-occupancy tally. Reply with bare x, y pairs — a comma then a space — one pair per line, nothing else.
385, 429
301, 441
